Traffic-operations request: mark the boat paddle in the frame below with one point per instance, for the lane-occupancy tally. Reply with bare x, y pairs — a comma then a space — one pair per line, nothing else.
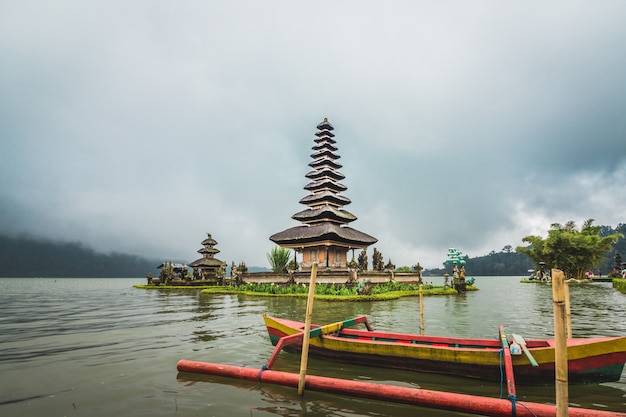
520, 341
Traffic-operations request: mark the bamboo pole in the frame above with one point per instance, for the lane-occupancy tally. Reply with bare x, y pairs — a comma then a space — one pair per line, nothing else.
422, 328
568, 311
307, 330
560, 340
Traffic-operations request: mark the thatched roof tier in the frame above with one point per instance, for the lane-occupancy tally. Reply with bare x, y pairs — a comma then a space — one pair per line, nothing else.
325, 173
207, 250
325, 145
323, 233
206, 262
324, 154
326, 213
324, 185
325, 125
209, 241
324, 139
325, 197
323, 163
325, 135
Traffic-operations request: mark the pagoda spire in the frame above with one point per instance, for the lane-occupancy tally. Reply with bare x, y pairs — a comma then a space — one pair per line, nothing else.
207, 266
323, 235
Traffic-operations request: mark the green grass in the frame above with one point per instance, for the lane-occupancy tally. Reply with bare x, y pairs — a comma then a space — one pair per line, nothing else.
175, 287
389, 291
382, 292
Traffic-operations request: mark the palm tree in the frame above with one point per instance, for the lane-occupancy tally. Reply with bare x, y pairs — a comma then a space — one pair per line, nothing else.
279, 259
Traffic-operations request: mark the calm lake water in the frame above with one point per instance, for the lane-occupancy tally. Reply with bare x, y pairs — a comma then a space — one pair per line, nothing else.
87, 347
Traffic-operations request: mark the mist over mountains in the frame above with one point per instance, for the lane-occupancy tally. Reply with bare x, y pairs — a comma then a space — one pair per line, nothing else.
27, 256
30, 256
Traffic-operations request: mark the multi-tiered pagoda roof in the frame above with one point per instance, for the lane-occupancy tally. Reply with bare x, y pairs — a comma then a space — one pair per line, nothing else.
208, 252
324, 220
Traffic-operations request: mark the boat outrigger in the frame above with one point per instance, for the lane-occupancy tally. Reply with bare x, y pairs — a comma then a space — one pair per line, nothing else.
590, 360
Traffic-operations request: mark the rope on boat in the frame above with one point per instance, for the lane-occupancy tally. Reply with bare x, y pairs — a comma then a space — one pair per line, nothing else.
501, 373
263, 368
513, 400
528, 409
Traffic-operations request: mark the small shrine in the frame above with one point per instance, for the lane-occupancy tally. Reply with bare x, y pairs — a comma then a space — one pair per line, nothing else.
323, 236
457, 259
208, 267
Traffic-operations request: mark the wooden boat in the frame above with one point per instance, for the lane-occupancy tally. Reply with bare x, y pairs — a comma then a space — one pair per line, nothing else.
590, 360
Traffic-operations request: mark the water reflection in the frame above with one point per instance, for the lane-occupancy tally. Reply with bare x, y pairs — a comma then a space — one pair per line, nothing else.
106, 347
284, 401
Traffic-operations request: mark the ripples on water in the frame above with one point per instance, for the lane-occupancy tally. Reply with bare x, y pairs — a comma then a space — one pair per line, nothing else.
101, 348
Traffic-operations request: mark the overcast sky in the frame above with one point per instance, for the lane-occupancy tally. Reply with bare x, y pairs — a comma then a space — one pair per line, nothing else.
138, 126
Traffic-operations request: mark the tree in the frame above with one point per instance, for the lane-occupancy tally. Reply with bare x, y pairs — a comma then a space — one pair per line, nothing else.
571, 250
612, 263
279, 259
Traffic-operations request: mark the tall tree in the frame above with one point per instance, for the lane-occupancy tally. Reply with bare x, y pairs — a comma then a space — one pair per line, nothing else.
571, 250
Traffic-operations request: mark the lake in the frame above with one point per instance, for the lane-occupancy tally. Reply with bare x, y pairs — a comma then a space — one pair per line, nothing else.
99, 347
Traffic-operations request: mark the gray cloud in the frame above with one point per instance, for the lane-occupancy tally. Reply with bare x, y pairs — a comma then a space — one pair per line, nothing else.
140, 126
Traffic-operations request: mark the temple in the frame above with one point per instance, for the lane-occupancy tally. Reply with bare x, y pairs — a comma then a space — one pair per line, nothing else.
207, 267
323, 236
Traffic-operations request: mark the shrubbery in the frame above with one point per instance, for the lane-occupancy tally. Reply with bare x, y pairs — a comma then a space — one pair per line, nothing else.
398, 286
333, 289
619, 285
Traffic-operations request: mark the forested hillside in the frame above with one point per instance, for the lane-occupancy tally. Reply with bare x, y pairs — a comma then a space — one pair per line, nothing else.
36, 257
502, 263
508, 262
619, 247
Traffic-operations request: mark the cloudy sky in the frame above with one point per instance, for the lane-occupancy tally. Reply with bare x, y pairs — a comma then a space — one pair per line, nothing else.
139, 126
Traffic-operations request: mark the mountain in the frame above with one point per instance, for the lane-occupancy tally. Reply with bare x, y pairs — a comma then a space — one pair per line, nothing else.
26, 256
505, 263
